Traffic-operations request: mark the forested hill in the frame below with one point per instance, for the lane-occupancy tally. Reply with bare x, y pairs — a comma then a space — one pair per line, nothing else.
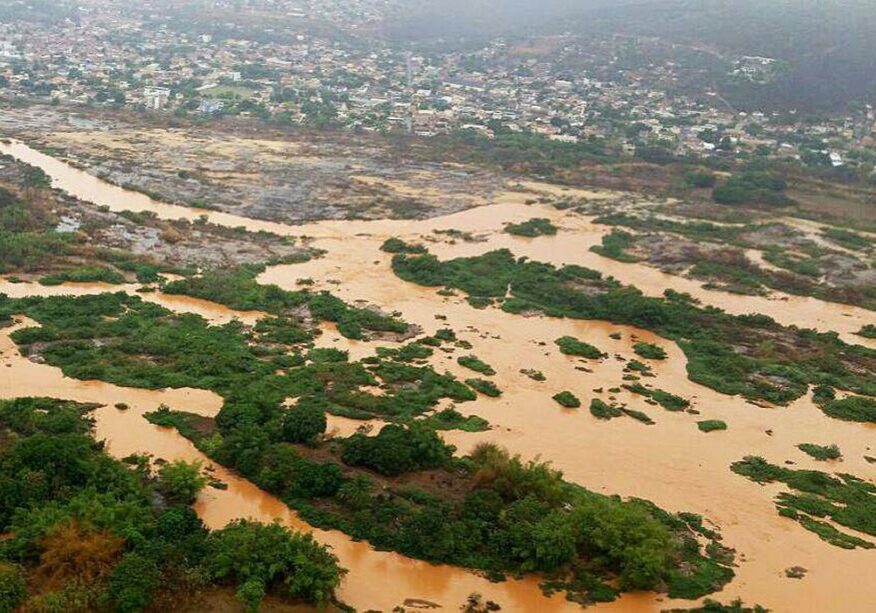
829, 45
826, 48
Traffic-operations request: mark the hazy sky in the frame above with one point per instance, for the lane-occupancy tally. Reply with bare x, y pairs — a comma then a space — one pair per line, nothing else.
472, 17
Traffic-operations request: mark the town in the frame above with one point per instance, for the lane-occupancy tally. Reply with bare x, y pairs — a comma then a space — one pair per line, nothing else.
323, 64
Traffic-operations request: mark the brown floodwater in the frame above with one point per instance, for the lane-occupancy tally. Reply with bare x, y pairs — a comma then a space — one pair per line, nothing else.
670, 463
569, 247
23, 290
377, 580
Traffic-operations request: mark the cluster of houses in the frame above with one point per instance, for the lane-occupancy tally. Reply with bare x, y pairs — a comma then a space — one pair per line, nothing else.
296, 72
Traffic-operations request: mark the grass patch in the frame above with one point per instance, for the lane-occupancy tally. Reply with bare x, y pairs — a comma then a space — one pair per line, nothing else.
847, 239
852, 408
239, 290
806, 267
815, 496
84, 274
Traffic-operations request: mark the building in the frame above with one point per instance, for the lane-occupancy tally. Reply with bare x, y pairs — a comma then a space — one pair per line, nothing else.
208, 107
156, 97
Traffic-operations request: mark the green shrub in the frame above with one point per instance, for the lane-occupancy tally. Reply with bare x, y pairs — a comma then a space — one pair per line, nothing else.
304, 423
822, 394
473, 363
535, 375
104, 508
668, 401
614, 246
601, 410
534, 227
85, 274
852, 408
396, 245
134, 582
713, 606
315, 479
181, 481
31, 251
724, 352
820, 452
251, 593
848, 239
649, 351
239, 290
752, 189
516, 516
710, 425
570, 345
250, 554
843, 498
13, 590
567, 399
639, 416
451, 419
639, 367
487, 388
479, 302
397, 449
867, 331
700, 179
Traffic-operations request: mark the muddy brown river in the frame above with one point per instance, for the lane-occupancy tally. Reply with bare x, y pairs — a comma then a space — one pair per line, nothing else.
670, 463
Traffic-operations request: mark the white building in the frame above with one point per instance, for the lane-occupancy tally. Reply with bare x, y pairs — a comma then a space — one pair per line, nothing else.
156, 97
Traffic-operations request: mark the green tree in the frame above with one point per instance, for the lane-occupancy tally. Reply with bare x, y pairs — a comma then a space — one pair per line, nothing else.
13, 590
251, 593
304, 423
134, 582
181, 481
251, 555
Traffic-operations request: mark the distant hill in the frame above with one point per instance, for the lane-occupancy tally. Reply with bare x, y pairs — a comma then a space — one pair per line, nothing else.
38, 11
829, 45
478, 19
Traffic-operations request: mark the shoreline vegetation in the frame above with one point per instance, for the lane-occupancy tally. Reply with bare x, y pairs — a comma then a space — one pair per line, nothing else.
402, 488
85, 531
716, 254
748, 355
